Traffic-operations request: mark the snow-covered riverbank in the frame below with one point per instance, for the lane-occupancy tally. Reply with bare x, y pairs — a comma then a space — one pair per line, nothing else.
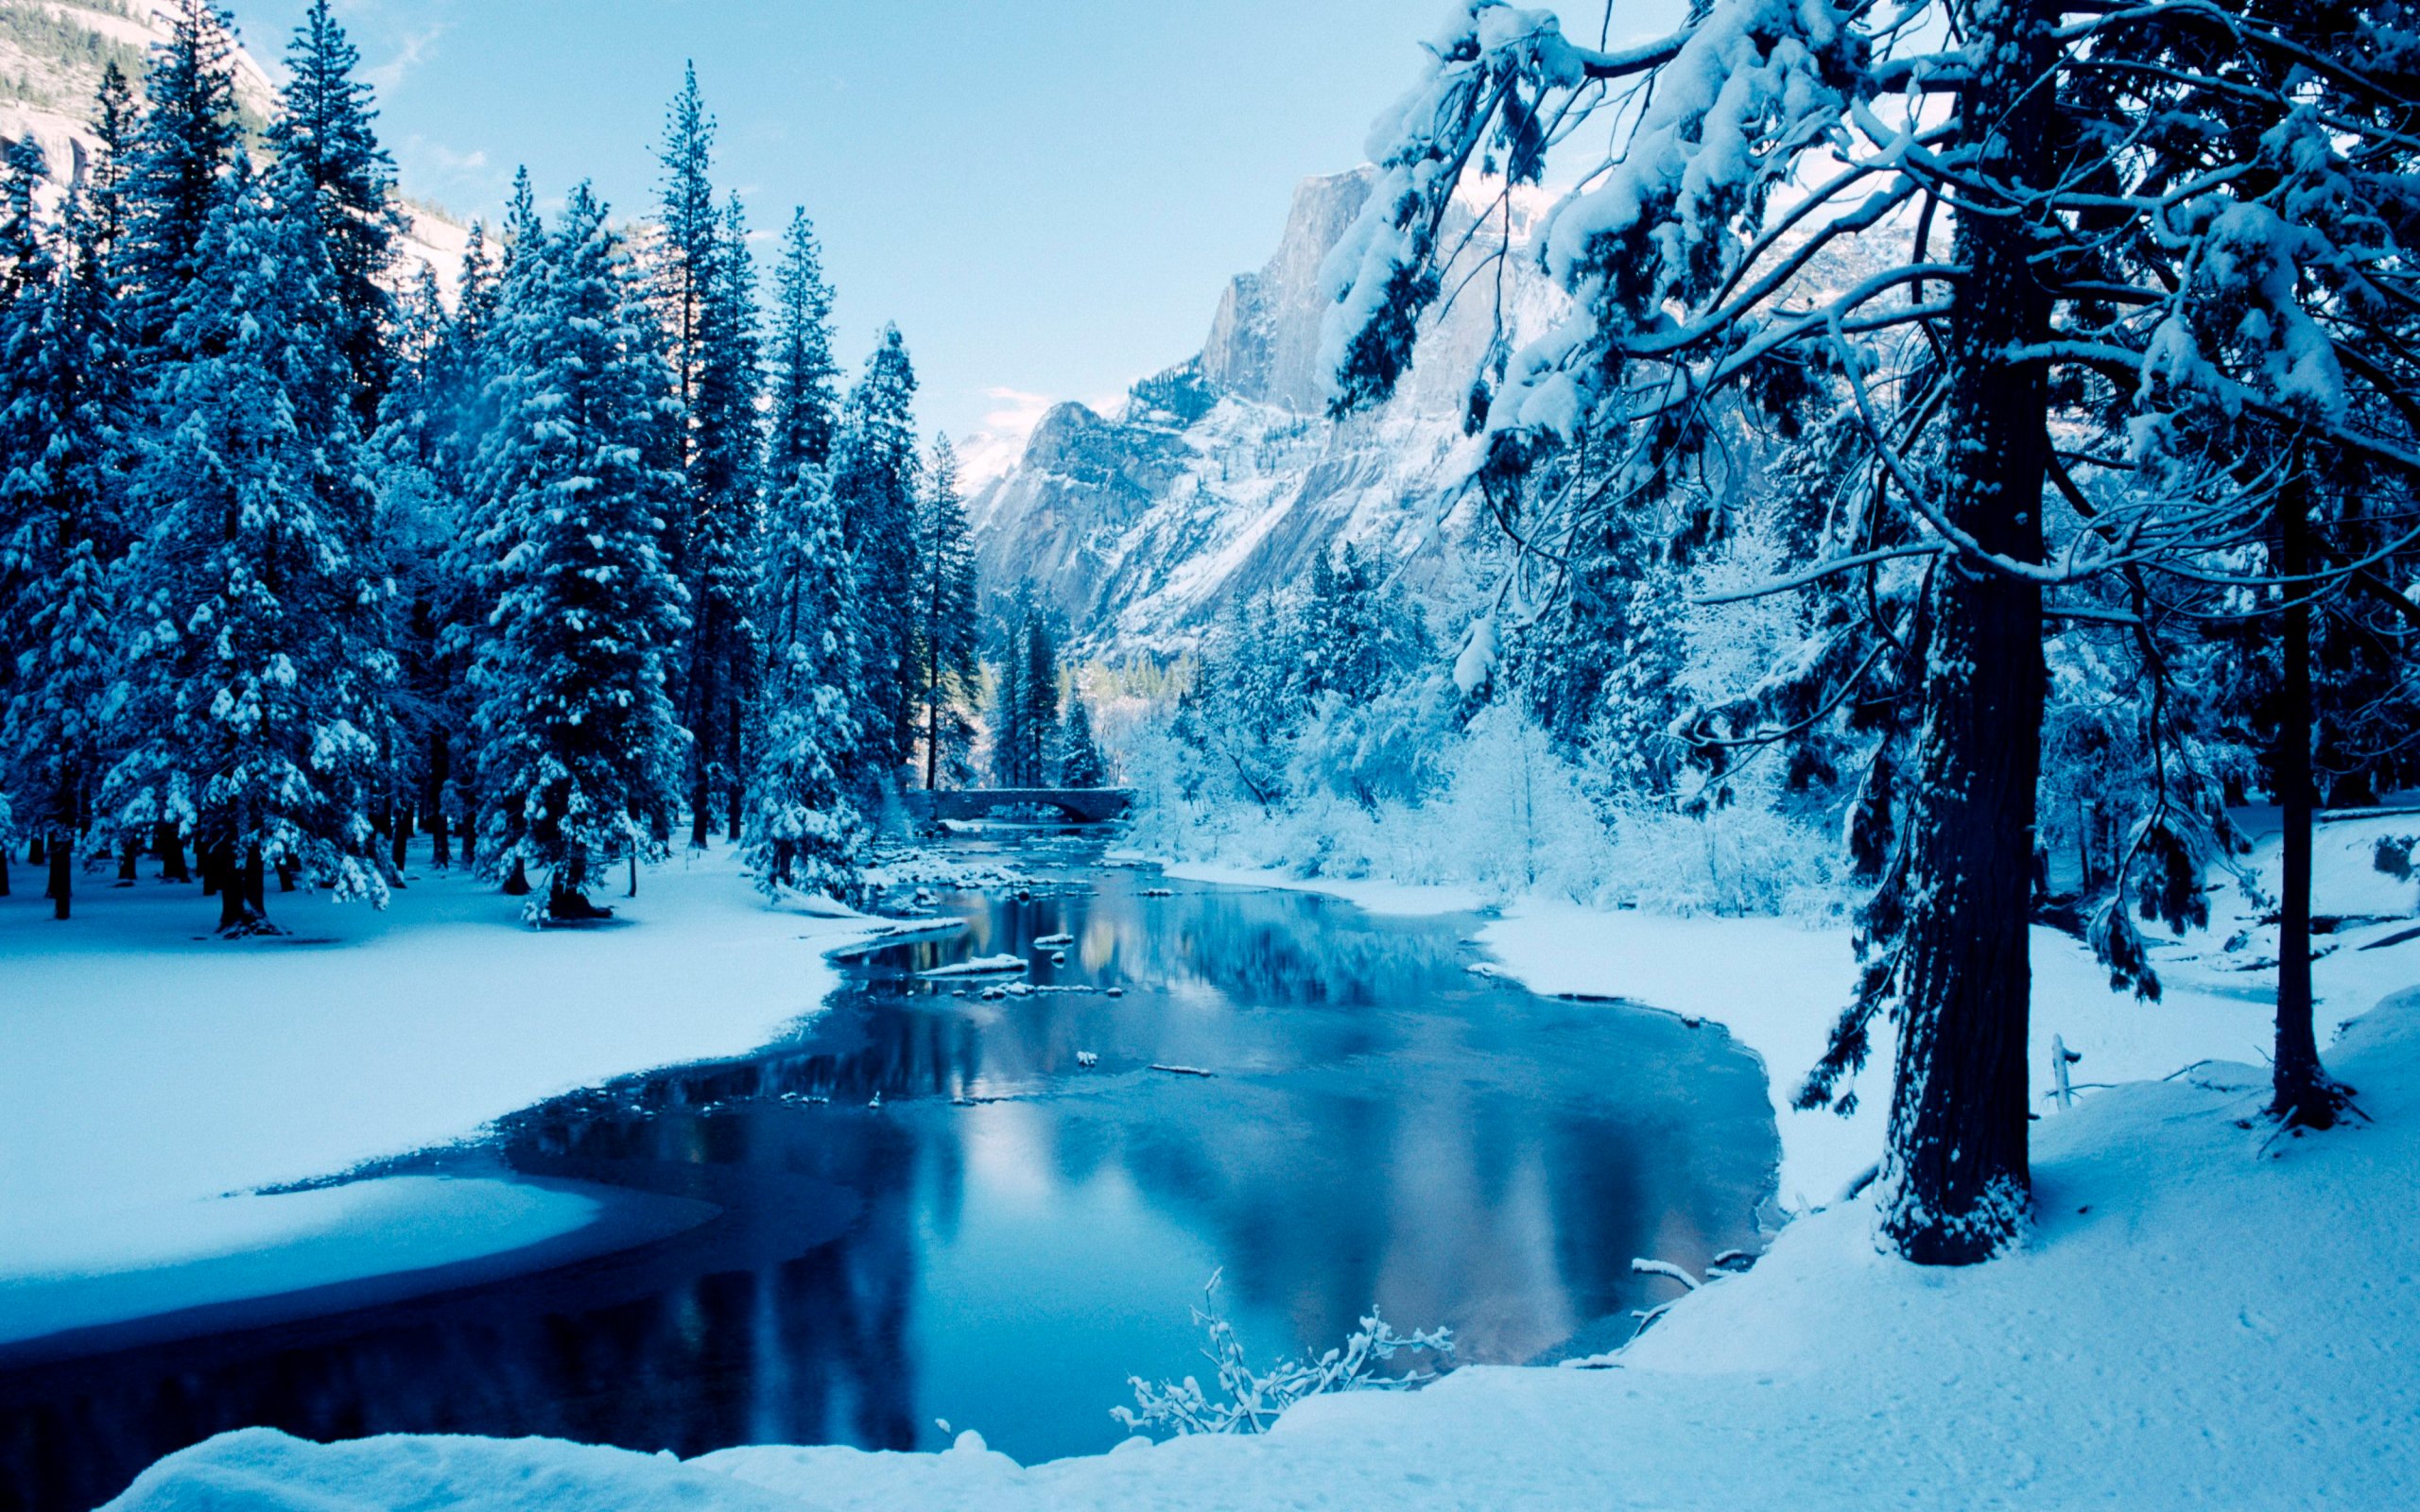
154, 1079
2203, 1318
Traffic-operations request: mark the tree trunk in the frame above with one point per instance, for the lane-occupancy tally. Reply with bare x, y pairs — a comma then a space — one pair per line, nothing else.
734, 795
128, 853
36, 853
441, 761
1956, 1182
516, 882
2304, 1097
255, 892
3, 870
63, 876
403, 837
701, 722
168, 843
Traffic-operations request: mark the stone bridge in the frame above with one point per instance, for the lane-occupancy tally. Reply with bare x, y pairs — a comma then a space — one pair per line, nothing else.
1085, 805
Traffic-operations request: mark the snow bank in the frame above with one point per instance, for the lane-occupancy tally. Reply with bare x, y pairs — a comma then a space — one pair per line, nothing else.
151, 1071
238, 1249
1395, 898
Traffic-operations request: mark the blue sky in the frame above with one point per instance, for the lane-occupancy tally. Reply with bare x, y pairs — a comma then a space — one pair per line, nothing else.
1046, 194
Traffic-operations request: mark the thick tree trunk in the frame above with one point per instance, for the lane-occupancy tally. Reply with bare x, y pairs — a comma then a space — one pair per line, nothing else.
4, 872
168, 843
2304, 1097
36, 853
1957, 1185
62, 877
516, 882
256, 893
128, 854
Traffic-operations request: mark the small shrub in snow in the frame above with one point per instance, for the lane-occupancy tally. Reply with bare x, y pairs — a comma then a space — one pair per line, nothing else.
1248, 1401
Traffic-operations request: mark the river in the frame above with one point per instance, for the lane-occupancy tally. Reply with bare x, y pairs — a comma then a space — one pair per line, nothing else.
938, 1206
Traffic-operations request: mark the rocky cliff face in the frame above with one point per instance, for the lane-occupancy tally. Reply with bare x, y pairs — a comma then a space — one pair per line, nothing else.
1221, 477
51, 56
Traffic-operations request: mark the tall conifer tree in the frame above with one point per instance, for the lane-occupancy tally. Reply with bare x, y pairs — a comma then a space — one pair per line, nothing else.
65, 401
325, 124
948, 643
579, 744
873, 476
257, 670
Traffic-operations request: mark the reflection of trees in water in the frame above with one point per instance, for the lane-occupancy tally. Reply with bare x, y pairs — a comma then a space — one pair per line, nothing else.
664, 1348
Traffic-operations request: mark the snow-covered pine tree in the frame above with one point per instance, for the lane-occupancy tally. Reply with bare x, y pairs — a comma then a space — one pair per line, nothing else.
23, 256
115, 120
874, 478
580, 749
325, 123
948, 632
184, 142
804, 829
65, 400
707, 288
1082, 766
1011, 739
419, 481
256, 666
805, 399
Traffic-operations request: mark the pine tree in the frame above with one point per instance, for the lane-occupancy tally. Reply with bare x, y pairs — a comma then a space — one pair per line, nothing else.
805, 830
578, 743
115, 120
1040, 690
948, 643
186, 142
23, 259
805, 402
1082, 766
326, 127
62, 430
707, 290
256, 666
873, 477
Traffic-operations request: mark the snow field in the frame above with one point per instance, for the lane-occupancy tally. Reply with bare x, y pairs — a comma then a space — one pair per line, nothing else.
152, 1075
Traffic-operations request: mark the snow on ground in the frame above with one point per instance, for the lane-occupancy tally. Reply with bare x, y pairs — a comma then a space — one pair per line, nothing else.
152, 1074
251, 1246
2203, 1316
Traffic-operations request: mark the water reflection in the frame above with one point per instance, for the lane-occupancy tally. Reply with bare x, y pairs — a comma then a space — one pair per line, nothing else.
932, 1209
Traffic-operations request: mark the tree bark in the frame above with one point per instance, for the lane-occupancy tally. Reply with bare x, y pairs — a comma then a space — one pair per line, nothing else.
3, 870
2303, 1095
168, 843
1955, 1181
128, 853
63, 876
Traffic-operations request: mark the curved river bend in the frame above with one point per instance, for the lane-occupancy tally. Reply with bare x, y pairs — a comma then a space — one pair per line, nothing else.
933, 1208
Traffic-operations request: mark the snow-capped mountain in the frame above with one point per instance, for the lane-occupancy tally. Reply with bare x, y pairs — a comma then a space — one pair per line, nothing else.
1222, 476
51, 56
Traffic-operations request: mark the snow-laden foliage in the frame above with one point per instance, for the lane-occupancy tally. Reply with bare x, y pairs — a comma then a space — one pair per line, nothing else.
579, 744
803, 829
1248, 1399
256, 666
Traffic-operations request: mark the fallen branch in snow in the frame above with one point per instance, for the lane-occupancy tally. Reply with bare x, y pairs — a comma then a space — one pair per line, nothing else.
1185, 1071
